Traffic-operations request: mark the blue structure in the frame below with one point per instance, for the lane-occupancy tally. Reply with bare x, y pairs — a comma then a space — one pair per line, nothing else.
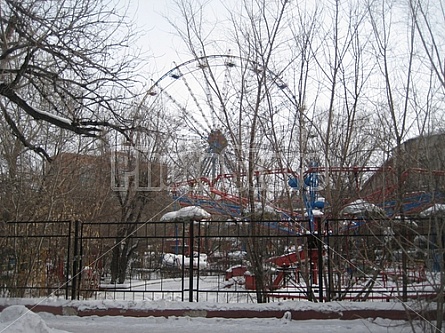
310, 194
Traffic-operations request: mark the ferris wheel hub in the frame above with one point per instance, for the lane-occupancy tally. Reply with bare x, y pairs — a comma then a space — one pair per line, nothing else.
217, 141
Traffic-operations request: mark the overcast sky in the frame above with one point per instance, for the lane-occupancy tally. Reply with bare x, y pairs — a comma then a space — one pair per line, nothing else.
159, 38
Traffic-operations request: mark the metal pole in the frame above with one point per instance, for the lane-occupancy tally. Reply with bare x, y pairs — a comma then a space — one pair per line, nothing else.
328, 245
191, 234
74, 292
68, 261
183, 260
198, 261
79, 280
320, 262
404, 260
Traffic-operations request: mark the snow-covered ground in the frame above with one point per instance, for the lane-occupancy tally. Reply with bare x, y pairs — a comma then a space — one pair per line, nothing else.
198, 325
18, 319
140, 307
218, 289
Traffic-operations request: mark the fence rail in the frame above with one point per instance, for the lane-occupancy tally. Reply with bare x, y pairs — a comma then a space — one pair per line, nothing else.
35, 258
220, 261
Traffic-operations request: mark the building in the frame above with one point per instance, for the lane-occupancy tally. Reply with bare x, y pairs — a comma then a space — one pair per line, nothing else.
412, 179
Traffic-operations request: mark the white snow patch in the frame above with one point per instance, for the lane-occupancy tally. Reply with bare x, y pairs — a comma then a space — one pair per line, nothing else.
359, 207
18, 319
56, 117
194, 213
435, 209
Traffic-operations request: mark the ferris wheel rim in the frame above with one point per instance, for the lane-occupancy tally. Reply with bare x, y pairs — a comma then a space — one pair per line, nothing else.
275, 77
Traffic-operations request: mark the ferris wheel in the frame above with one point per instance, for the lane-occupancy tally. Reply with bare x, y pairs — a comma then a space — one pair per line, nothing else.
217, 102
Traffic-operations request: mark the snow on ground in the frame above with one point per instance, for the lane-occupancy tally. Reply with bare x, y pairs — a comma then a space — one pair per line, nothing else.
140, 302
198, 325
16, 318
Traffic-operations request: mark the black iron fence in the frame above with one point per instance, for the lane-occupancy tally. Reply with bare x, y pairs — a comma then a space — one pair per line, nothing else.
35, 258
221, 261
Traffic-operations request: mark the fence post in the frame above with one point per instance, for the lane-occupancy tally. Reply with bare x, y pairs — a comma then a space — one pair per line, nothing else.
328, 256
183, 260
191, 234
76, 260
320, 261
68, 261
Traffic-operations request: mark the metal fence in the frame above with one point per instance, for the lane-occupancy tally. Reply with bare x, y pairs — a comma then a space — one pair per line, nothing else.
35, 258
220, 261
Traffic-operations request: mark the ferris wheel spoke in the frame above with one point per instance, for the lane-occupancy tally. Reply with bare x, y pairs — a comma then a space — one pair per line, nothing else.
225, 88
208, 91
195, 100
213, 88
186, 116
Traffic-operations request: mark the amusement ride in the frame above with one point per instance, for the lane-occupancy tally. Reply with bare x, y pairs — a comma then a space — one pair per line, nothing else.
213, 97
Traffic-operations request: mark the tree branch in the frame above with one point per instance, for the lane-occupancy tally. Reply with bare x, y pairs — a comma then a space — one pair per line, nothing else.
21, 137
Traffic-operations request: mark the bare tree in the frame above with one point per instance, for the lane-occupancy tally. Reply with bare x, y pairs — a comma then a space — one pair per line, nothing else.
139, 177
396, 105
248, 115
427, 20
63, 62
